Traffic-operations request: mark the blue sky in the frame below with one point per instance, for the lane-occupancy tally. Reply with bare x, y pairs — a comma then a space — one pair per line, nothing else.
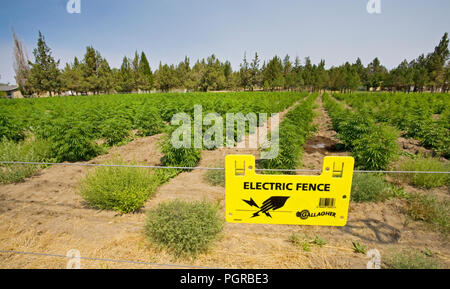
167, 30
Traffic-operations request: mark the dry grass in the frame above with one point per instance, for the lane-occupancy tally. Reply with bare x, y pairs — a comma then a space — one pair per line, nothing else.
136, 248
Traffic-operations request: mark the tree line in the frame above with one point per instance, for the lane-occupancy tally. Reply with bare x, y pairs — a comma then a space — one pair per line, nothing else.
94, 75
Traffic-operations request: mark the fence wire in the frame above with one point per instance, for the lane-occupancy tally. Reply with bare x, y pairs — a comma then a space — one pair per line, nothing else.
106, 260
206, 168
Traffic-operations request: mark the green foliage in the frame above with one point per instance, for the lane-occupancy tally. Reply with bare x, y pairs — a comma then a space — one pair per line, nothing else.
24, 151
298, 241
358, 248
115, 131
354, 128
420, 116
44, 72
186, 229
120, 189
369, 188
179, 157
411, 259
374, 147
293, 133
148, 121
376, 150
70, 140
319, 241
74, 124
426, 181
215, 177
427, 208
306, 242
10, 127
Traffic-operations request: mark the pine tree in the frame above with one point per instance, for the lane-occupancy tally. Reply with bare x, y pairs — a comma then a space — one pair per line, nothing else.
287, 73
273, 74
436, 63
72, 77
90, 67
244, 73
124, 77
44, 72
255, 73
227, 72
105, 77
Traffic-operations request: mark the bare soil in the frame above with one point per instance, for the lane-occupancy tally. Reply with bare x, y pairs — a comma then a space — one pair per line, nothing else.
45, 214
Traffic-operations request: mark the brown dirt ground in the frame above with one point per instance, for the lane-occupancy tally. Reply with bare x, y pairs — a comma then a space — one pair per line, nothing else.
45, 214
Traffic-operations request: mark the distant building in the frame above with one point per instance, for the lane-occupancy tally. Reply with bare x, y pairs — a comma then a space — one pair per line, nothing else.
11, 91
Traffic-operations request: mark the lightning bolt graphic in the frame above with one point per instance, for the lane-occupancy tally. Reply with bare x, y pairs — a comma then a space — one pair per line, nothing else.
273, 203
251, 203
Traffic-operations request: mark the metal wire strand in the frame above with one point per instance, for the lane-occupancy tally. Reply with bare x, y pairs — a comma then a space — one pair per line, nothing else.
204, 168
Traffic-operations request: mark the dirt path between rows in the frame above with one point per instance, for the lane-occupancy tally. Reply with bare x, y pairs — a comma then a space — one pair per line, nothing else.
45, 214
323, 143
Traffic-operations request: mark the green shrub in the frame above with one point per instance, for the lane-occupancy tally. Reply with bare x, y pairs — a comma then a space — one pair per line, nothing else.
115, 131
376, 150
179, 157
353, 128
120, 189
425, 180
25, 151
215, 177
369, 188
411, 260
422, 207
186, 229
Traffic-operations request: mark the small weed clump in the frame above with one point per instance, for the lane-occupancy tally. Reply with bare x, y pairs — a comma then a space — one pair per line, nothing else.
411, 260
215, 177
186, 229
26, 151
369, 188
429, 209
358, 248
306, 242
426, 181
120, 189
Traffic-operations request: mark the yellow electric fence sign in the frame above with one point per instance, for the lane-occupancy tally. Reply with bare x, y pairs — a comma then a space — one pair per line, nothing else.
288, 199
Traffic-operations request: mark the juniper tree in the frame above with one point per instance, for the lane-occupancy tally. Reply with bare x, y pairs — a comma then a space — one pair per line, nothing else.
146, 72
